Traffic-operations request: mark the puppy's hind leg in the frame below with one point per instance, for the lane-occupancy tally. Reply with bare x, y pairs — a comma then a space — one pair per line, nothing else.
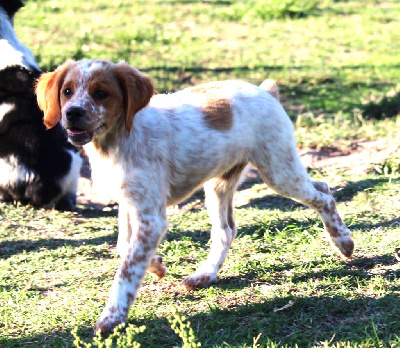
280, 167
219, 197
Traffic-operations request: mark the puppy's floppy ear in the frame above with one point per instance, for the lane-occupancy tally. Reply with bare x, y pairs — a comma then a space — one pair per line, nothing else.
48, 93
137, 90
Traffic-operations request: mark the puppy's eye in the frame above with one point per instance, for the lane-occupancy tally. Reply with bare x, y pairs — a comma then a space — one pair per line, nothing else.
100, 94
68, 92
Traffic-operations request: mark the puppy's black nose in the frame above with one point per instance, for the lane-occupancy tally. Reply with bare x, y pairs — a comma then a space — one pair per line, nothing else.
74, 113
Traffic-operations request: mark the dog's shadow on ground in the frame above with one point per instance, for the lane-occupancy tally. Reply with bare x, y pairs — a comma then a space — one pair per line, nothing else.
346, 193
343, 193
196, 201
356, 268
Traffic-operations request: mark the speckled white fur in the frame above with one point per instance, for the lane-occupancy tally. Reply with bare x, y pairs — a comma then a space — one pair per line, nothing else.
172, 150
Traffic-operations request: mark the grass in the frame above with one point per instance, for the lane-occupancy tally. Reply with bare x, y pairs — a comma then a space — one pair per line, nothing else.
281, 279
330, 60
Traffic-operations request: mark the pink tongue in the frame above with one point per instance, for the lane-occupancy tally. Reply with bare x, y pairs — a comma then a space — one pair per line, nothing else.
74, 131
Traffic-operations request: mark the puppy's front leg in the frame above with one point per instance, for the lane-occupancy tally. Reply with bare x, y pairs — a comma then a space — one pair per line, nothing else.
147, 230
156, 267
124, 230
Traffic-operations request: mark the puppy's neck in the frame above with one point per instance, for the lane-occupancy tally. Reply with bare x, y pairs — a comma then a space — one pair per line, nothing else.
106, 145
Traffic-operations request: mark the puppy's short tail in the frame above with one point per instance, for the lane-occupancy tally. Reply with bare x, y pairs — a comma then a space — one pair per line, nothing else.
271, 87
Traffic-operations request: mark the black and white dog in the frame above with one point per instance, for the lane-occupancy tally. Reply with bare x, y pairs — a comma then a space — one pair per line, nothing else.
37, 166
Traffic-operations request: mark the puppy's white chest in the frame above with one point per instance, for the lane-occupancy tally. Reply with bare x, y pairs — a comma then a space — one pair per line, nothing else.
106, 174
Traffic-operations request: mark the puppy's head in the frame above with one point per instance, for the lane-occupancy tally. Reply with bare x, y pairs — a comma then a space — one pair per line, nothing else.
91, 96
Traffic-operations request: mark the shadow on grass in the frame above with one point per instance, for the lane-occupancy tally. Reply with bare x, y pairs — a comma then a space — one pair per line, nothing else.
305, 321
353, 188
356, 270
9, 248
327, 92
369, 226
89, 212
288, 320
388, 106
344, 194
261, 67
272, 202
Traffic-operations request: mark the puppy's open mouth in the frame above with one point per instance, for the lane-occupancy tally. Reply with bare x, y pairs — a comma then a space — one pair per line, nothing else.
79, 136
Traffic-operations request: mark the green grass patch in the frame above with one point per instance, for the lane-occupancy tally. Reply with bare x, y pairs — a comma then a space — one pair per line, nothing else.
271, 9
330, 58
282, 284
281, 279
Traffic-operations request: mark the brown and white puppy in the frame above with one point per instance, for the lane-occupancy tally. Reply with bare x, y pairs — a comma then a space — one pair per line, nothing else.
154, 151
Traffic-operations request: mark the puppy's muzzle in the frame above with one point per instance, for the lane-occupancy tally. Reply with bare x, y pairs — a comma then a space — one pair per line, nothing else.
75, 124
74, 113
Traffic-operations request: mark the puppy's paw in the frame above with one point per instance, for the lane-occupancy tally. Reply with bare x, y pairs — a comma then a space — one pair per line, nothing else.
157, 268
345, 246
107, 324
197, 281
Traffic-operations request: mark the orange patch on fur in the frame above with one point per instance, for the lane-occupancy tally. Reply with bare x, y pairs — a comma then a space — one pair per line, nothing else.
218, 114
137, 90
157, 268
217, 110
47, 90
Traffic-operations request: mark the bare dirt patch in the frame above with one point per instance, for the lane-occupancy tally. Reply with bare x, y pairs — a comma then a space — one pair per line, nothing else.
356, 159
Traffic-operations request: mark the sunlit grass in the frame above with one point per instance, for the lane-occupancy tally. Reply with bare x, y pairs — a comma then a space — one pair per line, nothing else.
57, 268
281, 279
